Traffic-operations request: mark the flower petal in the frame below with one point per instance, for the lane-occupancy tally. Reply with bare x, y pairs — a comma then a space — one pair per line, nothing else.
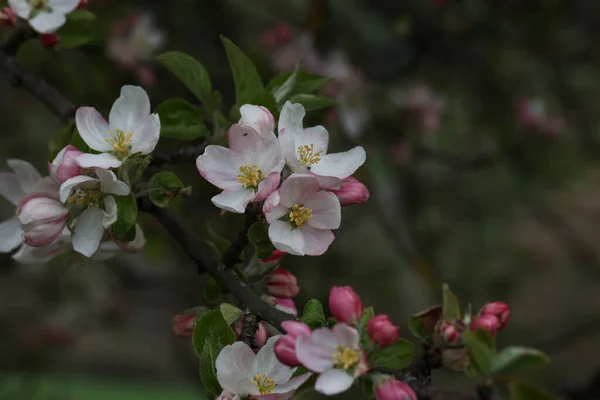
88, 231
110, 211
316, 241
11, 235
145, 135
20, 7
317, 137
257, 117
244, 140
26, 174
109, 183
333, 381
218, 166
102, 160
346, 335
47, 22
64, 6
292, 384
316, 351
340, 165
67, 187
132, 106
268, 186
269, 158
93, 128
290, 125
285, 238
326, 211
232, 368
234, 200
272, 202
267, 363
297, 189
10, 188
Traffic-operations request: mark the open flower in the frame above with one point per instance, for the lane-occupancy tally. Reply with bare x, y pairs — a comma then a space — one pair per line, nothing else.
89, 198
335, 354
305, 149
301, 216
130, 129
262, 376
249, 170
44, 16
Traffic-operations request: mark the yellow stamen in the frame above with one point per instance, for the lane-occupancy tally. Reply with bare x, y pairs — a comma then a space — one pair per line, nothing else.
308, 156
345, 358
38, 4
250, 176
86, 198
264, 384
299, 215
120, 142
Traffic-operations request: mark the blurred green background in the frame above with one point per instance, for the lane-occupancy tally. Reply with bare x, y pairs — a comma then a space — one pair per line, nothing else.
481, 124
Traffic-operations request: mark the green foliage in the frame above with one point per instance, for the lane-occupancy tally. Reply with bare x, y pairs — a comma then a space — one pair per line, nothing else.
259, 237
368, 313
312, 102
81, 14
515, 360
124, 227
480, 351
212, 290
208, 358
230, 312
313, 314
526, 391
395, 357
78, 30
282, 92
132, 169
416, 328
302, 83
193, 75
451, 309
164, 187
247, 81
180, 120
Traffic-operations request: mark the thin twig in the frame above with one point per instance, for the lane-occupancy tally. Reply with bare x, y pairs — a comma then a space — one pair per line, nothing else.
249, 328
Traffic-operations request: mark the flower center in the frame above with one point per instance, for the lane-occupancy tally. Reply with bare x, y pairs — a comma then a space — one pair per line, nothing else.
345, 358
299, 215
307, 155
89, 197
250, 176
264, 384
120, 142
39, 5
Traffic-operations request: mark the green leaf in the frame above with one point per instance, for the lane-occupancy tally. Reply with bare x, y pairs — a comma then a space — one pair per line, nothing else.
164, 187
211, 323
61, 139
282, 91
266, 99
180, 120
81, 15
416, 328
132, 169
395, 357
75, 33
451, 309
480, 352
259, 237
212, 290
208, 374
305, 83
313, 102
525, 391
368, 313
230, 313
124, 227
246, 78
514, 360
217, 242
193, 75
313, 314
423, 324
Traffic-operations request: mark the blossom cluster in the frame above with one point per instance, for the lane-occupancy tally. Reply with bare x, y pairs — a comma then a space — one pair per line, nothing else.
303, 210
492, 318
75, 205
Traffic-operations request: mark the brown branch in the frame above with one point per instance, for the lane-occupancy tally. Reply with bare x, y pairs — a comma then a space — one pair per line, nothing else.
207, 261
249, 328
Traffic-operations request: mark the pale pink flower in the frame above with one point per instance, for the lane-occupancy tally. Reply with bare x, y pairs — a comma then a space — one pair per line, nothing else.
134, 40
43, 218
64, 165
44, 17
130, 129
301, 216
335, 354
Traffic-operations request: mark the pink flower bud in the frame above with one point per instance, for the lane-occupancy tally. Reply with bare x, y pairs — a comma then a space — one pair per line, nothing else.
449, 332
283, 33
498, 309
283, 284
295, 328
285, 305
275, 256
49, 40
42, 217
260, 338
486, 322
285, 351
7, 17
345, 305
382, 331
83, 4
64, 167
352, 192
393, 389
183, 324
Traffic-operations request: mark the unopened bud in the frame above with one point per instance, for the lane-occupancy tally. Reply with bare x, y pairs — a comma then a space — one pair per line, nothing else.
486, 322
8, 18
285, 347
393, 389
49, 40
64, 166
345, 305
449, 333
275, 256
285, 305
183, 324
283, 284
83, 3
42, 217
498, 309
382, 331
352, 192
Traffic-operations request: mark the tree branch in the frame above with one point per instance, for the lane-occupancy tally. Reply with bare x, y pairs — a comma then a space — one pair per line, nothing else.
249, 328
185, 154
207, 261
